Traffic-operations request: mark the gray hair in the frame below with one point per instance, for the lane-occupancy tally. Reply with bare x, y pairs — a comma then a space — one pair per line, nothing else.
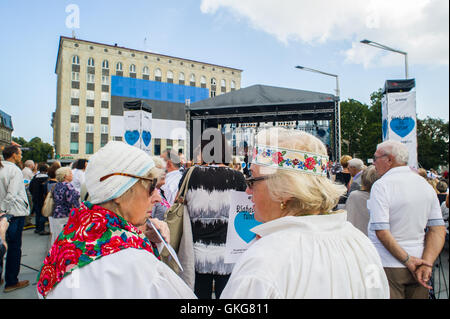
356, 163
29, 164
62, 172
368, 177
398, 150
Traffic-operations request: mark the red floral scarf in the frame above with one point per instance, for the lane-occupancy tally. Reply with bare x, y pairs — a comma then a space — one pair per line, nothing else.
90, 233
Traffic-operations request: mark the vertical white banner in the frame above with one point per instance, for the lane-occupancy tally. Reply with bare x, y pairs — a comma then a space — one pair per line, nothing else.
137, 127
402, 123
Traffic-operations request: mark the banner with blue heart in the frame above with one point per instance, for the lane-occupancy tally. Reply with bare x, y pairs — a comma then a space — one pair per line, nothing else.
138, 125
240, 223
402, 126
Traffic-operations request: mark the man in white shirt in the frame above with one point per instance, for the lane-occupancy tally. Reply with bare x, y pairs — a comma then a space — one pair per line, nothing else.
173, 176
401, 205
13, 201
28, 170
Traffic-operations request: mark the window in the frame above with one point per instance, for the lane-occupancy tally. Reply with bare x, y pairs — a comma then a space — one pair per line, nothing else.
145, 70
192, 80
76, 76
73, 147
90, 78
223, 83
75, 94
181, 76
104, 129
203, 80
90, 95
91, 62
74, 127
89, 111
158, 75
119, 66
213, 81
104, 112
89, 128
169, 76
105, 64
105, 80
74, 110
75, 60
233, 85
89, 148
132, 68
105, 96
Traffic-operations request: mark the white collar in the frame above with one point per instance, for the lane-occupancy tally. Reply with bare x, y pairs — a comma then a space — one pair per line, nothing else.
310, 223
398, 169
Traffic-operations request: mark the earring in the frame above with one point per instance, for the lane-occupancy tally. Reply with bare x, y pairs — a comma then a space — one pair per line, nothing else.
282, 206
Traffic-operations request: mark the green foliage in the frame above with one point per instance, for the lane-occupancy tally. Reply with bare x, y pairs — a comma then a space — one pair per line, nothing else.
38, 150
432, 140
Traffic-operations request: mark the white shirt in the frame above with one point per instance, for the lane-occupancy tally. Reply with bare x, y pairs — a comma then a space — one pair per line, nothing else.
13, 197
320, 256
27, 174
404, 203
78, 179
170, 187
128, 274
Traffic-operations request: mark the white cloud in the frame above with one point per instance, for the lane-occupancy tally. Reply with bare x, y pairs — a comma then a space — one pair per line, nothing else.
419, 27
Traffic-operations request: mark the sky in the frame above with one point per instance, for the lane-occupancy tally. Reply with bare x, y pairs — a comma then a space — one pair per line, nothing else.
265, 38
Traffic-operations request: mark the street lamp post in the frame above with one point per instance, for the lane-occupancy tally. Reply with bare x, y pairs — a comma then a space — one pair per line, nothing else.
384, 47
338, 115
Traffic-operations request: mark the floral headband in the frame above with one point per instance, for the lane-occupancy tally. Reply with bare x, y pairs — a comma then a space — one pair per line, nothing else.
300, 161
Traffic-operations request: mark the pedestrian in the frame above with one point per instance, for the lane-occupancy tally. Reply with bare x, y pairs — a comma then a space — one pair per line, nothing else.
442, 188
38, 190
27, 171
355, 168
101, 253
208, 200
356, 205
173, 175
160, 207
78, 174
402, 205
65, 198
303, 249
13, 201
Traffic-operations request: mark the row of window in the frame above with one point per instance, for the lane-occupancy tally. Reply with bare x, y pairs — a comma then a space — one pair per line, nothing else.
145, 71
74, 128
75, 110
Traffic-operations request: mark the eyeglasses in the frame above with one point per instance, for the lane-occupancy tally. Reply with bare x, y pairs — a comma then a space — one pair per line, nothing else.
377, 157
152, 181
251, 180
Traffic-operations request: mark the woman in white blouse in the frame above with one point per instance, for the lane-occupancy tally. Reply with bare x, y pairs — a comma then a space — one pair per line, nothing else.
303, 248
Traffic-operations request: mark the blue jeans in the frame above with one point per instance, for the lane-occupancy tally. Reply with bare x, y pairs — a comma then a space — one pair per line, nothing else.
14, 253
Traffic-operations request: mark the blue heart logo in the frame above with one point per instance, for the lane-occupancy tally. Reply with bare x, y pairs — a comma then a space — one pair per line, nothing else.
384, 128
131, 137
146, 137
243, 222
402, 126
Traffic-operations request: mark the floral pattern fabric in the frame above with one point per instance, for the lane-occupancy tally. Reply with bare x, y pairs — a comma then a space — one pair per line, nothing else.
90, 233
306, 162
65, 197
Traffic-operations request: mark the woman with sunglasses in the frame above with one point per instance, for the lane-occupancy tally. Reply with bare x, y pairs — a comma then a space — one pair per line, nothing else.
101, 252
303, 248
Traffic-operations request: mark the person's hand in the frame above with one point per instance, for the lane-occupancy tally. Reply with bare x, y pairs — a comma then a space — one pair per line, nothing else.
161, 227
3, 227
414, 262
423, 275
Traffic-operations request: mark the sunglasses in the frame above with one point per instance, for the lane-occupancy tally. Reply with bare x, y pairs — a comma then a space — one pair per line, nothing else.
251, 180
153, 181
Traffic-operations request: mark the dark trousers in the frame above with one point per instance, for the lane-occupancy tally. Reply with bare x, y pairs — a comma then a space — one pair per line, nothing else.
39, 219
14, 253
204, 283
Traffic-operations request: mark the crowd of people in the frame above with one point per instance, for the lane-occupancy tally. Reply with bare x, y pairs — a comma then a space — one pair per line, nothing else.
328, 230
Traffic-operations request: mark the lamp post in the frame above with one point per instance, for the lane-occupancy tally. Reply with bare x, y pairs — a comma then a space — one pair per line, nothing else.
384, 47
338, 115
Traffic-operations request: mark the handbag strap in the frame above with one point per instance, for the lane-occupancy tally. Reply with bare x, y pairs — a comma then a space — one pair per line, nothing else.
184, 186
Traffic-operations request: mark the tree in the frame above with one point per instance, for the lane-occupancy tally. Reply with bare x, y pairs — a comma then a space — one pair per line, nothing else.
432, 142
38, 151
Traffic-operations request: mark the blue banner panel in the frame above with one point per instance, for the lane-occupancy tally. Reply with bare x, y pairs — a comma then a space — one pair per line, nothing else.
153, 90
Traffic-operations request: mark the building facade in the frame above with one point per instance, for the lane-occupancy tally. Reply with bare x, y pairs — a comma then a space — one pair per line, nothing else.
6, 129
95, 79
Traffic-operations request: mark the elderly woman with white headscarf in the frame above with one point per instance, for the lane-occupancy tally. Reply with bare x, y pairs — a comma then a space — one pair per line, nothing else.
303, 249
101, 252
